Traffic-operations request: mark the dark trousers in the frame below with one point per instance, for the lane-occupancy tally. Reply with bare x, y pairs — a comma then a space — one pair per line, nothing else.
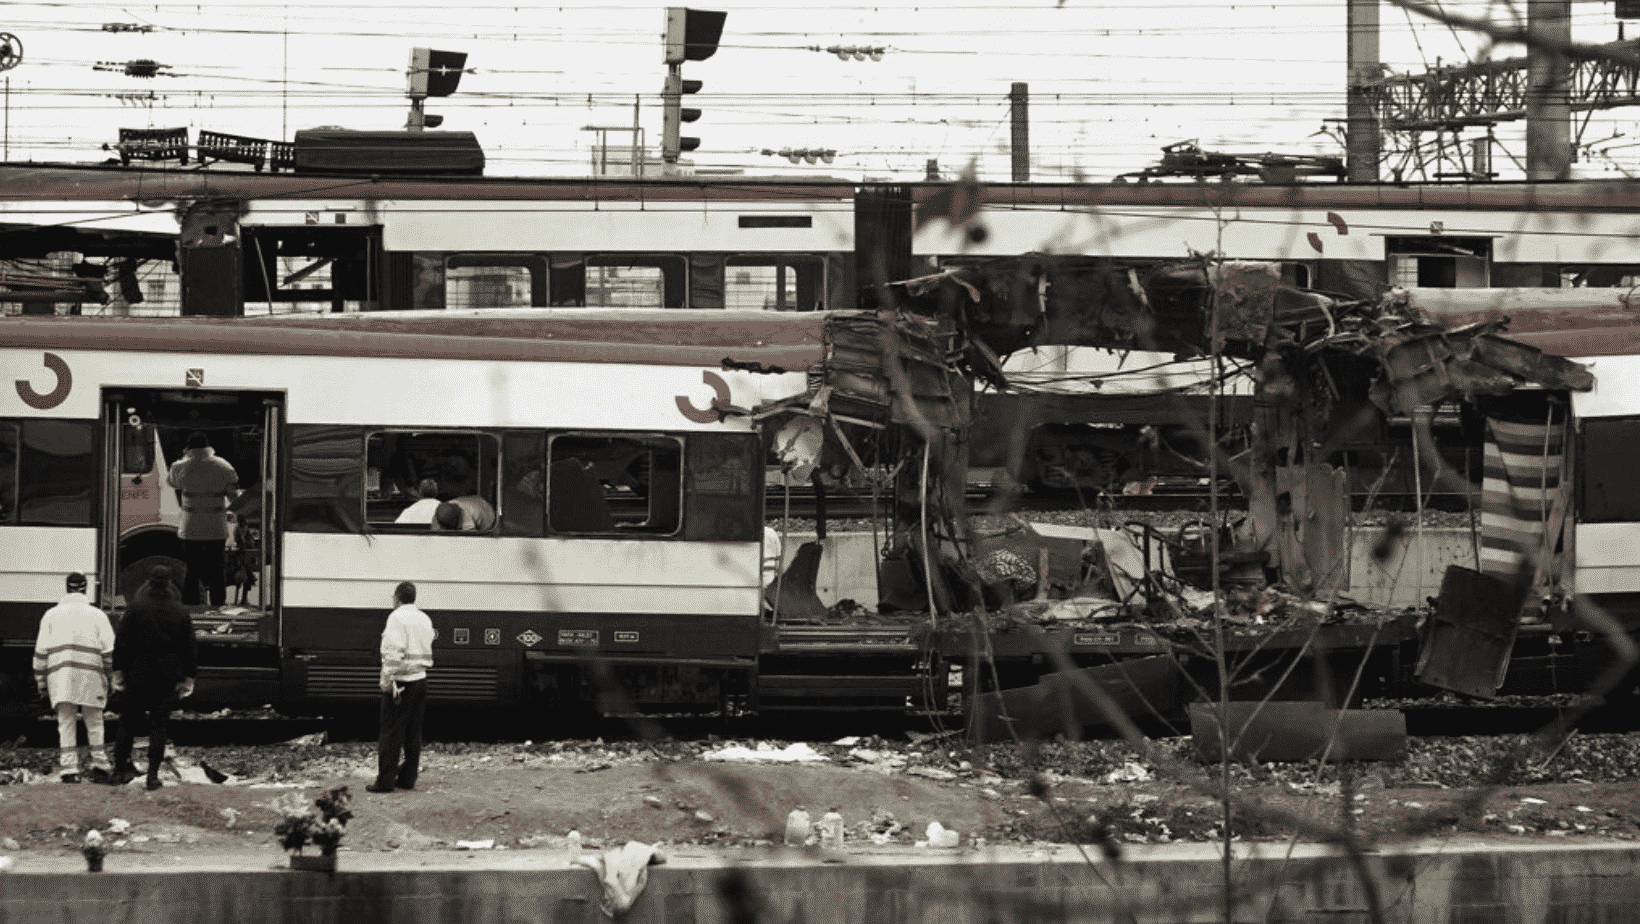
151, 711
401, 730
204, 560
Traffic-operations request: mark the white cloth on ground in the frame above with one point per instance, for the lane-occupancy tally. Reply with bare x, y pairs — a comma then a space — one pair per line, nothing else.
623, 872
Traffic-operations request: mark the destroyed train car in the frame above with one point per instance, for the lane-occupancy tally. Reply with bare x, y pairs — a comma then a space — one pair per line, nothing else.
1549, 545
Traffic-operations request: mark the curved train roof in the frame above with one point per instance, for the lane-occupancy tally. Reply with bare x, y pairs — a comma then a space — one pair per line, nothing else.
785, 341
26, 182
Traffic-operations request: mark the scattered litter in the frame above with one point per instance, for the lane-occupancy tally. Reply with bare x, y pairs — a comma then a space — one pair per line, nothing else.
475, 845
232, 814
933, 773
796, 753
118, 825
940, 836
1528, 800
1517, 829
7, 843
847, 742
307, 741
6, 864
1584, 808
704, 817
653, 801
1130, 772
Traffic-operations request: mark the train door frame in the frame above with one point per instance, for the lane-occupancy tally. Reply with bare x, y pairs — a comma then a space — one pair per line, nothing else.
111, 535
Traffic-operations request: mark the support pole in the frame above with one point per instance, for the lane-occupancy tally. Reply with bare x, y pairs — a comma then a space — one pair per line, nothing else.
1548, 107
637, 169
1019, 100
1364, 142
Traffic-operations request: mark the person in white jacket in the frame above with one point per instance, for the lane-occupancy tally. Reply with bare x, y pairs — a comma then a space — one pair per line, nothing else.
73, 655
407, 654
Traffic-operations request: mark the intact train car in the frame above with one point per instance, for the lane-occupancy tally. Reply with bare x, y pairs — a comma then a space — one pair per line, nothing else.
628, 511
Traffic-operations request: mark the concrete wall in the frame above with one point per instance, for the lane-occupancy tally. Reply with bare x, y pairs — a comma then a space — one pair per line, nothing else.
1440, 883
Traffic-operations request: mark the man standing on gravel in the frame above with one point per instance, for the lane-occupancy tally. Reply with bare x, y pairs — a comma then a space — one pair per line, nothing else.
155, 660
72, 657
407, 653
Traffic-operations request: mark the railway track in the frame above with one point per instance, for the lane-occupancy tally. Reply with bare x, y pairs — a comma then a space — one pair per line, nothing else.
1422, 721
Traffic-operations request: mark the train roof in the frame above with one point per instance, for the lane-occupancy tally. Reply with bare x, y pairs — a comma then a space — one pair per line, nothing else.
757, 340
66, 182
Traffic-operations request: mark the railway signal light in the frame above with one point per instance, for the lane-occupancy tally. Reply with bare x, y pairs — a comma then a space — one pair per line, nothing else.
431, 73
691, 35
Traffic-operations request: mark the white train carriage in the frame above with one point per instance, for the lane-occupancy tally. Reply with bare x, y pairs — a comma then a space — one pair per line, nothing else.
627, 510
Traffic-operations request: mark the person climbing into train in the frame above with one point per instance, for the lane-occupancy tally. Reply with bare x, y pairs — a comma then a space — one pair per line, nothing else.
72, 657
204, 483
155, 662
407, 654
470, 513
421, 512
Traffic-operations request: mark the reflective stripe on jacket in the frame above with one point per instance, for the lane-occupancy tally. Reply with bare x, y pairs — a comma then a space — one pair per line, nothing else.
74, 652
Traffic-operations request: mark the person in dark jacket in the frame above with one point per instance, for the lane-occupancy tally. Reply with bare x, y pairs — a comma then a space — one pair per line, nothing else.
154, 666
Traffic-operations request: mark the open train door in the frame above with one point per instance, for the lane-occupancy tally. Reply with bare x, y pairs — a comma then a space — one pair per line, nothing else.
273, 422
108, 537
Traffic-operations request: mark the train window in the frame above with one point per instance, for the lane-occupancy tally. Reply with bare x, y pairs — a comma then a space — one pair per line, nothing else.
424, 480
1609, 491
614, 484
785, 283
1439, 262
495, 281
326, 479
49, 472
9, 439
523, 484
724, 496
636, 281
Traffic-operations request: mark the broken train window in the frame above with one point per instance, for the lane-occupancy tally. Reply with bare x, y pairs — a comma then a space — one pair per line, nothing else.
614, 484
409, 474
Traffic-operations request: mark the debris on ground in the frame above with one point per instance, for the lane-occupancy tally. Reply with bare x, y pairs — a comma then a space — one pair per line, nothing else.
794, 753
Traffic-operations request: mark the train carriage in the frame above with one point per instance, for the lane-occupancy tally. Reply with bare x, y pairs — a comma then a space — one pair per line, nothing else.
628, 511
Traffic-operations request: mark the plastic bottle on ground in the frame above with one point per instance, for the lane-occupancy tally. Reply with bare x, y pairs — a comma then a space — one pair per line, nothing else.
831, 831
797, 828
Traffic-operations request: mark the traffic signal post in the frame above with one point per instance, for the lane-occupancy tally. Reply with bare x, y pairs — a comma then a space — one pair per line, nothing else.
691, 35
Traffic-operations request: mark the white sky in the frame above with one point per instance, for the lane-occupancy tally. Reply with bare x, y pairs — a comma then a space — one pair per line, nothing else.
1110, 83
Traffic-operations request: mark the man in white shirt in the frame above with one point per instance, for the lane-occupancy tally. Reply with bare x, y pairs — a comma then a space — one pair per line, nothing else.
73, 655
421, 512
407, 653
